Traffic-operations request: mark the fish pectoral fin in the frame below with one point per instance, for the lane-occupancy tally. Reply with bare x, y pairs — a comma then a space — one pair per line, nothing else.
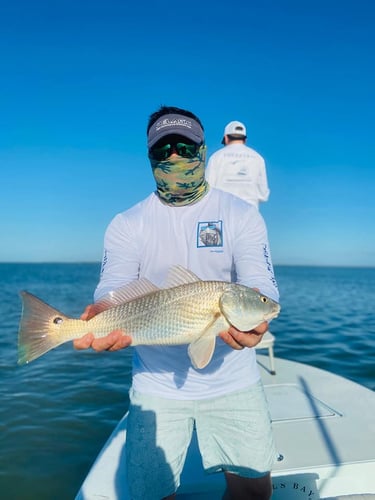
201, 351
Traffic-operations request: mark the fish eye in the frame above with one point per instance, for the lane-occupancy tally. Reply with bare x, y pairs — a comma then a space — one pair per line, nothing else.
263, 299
57, 320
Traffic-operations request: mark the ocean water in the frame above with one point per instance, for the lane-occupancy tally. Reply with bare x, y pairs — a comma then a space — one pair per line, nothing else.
57, 412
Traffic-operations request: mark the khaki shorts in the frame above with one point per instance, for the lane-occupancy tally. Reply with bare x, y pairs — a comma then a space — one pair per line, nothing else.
234, 434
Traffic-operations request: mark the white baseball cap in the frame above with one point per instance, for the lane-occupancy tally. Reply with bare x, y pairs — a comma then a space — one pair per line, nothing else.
235, 128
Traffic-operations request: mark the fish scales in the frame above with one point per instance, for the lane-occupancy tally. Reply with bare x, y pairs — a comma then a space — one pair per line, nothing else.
172, 316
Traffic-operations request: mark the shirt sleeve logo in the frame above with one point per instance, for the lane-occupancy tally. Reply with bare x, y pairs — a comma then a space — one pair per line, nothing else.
210, 234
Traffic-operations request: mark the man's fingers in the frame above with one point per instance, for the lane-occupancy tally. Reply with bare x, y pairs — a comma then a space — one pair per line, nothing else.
89, 312
83, 342
262, 328
228, 339
113, 342
238, 340
121, 343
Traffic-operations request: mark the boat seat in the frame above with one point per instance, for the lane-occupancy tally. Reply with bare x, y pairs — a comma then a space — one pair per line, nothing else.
267, 342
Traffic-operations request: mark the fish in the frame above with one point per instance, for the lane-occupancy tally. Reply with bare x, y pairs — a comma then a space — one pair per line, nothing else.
187, 310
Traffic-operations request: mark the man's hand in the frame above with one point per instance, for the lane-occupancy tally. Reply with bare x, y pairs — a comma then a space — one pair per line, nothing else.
238, 340
114, 341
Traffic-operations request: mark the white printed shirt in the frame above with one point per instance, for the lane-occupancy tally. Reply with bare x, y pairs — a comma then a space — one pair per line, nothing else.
218, 238
239, 170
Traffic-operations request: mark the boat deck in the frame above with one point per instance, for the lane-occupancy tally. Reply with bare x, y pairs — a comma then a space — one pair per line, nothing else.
324, 430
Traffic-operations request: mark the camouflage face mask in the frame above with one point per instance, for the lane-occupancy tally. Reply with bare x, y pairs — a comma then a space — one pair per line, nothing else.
180, 181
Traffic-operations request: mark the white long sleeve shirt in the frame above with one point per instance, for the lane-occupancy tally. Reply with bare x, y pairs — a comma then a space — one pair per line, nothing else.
218, 238
239, 170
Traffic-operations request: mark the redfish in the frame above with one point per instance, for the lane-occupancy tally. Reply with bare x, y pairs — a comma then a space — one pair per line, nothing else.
187, 311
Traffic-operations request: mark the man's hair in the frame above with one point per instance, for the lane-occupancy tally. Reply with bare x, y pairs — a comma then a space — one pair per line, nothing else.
171, 110
232, 137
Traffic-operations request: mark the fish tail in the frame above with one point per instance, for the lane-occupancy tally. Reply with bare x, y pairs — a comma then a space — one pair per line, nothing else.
36, 334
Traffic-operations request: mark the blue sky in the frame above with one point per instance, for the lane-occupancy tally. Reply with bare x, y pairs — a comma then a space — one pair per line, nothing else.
78, 81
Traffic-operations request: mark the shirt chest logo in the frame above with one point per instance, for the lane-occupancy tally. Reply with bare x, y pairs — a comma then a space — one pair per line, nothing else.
210, 234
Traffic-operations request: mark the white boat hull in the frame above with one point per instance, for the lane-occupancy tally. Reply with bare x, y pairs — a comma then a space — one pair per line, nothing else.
324, 429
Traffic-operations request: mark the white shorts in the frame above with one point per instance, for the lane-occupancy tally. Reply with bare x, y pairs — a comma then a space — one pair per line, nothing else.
234, 434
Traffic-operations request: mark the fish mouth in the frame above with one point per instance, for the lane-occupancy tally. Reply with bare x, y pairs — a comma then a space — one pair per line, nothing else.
272, 314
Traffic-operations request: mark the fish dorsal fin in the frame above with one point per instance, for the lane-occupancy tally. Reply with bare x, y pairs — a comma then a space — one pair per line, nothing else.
131, 291
178, 275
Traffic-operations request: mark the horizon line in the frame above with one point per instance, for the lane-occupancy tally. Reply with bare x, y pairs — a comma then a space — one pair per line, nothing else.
98, 262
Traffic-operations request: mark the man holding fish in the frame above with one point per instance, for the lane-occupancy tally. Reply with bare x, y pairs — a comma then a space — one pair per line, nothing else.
212, 383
